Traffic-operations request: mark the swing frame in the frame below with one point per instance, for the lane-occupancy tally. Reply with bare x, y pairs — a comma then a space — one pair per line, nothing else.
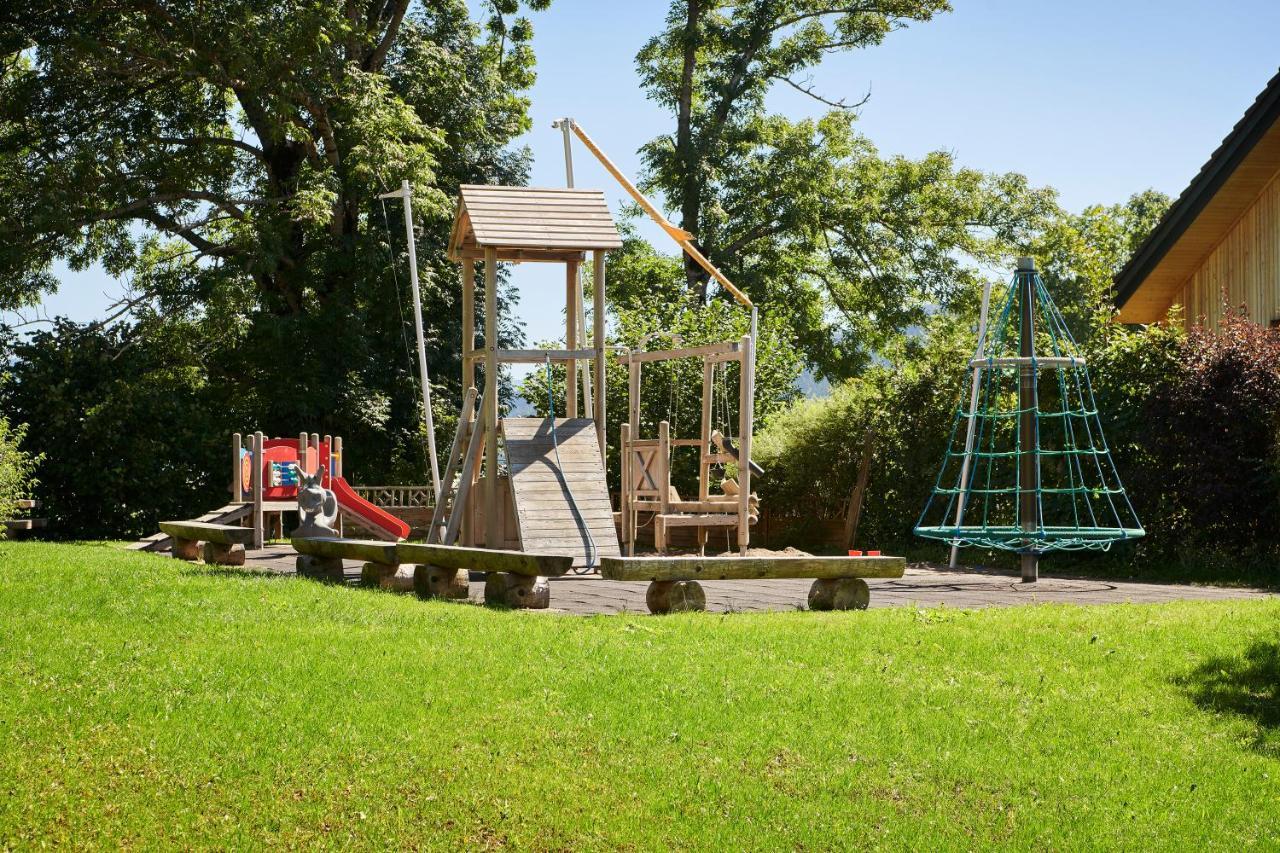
646, 468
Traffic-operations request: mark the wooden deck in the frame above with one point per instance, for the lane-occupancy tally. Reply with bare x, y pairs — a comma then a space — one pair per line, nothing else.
922, 585
550, 522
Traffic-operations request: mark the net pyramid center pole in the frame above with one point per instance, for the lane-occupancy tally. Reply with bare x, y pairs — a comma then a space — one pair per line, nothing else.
1028, 466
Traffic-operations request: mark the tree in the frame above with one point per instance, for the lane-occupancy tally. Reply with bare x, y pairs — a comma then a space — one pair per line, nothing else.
807, 214
1079, 255
224, 159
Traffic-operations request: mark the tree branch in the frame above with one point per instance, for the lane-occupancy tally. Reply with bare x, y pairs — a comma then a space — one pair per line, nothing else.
379, 56
213, 140
808, 90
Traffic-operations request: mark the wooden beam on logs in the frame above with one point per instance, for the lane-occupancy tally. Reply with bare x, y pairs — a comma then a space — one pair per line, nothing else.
748, 568
484, 559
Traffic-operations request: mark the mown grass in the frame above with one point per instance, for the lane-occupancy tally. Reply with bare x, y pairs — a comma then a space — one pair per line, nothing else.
148, 703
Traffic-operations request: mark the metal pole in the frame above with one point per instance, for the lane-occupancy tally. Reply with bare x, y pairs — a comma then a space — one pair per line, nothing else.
1028, 461
973, 406
406, 194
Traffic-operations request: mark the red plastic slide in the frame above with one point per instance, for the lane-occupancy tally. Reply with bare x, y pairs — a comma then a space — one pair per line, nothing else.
365, 511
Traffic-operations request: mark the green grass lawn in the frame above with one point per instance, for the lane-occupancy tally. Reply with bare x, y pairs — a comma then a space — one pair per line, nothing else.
150, 703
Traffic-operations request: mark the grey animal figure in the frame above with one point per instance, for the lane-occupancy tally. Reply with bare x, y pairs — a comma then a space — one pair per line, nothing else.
317, 506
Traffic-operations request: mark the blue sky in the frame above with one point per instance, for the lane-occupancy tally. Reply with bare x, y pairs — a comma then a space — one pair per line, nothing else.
1097, 98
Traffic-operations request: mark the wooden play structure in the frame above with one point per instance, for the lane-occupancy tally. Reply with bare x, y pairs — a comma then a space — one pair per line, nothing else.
553, 491
646, 462
264, 486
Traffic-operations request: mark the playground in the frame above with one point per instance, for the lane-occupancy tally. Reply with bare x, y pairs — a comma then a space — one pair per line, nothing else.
522, 501
507, 426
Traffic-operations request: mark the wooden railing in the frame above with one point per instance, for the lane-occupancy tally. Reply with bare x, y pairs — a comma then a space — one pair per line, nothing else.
398, 497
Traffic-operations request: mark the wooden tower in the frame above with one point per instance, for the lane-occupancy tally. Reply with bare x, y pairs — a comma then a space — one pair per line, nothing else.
497, 224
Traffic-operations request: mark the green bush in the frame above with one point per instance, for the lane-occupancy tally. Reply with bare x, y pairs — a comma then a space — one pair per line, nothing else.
17, 469
1194, 423
811, 450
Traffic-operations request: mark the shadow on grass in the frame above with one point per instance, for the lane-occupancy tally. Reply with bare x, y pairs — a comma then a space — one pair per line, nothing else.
1247, 686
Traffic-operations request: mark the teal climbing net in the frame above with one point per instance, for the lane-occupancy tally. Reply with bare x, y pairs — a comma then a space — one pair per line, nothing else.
1027, 467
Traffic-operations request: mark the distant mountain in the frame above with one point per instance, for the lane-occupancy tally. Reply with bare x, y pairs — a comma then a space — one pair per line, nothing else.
521, 408
811, 386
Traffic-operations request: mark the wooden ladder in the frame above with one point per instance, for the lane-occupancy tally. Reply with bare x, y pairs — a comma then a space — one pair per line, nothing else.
464, 456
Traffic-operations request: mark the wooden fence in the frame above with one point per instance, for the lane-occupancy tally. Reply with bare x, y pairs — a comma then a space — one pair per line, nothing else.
775, 529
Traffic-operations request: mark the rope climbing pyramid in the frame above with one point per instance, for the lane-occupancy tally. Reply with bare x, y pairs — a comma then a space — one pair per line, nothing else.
1027, 467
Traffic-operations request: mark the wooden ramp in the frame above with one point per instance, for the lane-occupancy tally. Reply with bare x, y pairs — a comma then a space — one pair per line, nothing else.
556, 506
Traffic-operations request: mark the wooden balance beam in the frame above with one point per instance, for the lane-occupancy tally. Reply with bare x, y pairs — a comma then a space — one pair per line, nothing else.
512, 578
321, 558
674, 581
224, 544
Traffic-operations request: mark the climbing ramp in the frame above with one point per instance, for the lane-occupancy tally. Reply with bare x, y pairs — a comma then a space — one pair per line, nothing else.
1027, 467
560, 508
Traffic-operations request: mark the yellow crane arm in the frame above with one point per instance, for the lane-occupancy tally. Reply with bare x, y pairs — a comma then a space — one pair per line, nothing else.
684, 238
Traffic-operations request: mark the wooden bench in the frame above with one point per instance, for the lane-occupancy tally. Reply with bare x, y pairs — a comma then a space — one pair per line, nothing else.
512, 578
223, 544
321, 557
674, 581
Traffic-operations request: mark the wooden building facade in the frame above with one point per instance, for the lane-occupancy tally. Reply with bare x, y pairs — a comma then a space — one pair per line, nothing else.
1218, 246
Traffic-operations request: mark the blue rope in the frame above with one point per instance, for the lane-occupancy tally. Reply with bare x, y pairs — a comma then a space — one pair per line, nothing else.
592, 555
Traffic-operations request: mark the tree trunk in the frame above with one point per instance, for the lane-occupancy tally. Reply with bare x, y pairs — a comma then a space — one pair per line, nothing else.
686, 156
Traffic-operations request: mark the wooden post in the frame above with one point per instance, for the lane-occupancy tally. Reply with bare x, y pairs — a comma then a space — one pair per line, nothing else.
571, 338
704, 451
624, 495
633, 396
859, 488
337, 451
257, 491
468, 323
304, 453
328, 442
1028, 461
237, 471
663, 465
746, 419
492, 524
597, 320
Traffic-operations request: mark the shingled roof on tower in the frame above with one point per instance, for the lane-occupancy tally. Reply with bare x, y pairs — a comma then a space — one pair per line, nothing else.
531, 223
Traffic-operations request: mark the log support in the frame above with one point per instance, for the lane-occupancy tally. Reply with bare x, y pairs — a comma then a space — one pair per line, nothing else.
675, 597
436, 582
521, 592
320, 568
839, 594
219, 554
380, 575
186, 549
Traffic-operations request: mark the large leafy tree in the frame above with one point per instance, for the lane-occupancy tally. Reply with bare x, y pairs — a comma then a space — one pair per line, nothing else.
223, 159
806, 214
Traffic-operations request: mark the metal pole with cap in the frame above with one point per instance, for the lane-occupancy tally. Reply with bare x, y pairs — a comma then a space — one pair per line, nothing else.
1028, 439
406, 193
